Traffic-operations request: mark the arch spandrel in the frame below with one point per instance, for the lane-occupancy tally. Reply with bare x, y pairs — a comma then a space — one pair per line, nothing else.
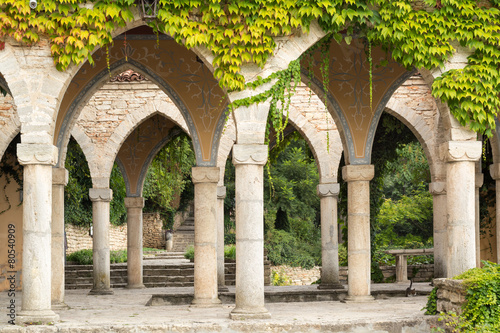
178, 71
349, 92
139, 149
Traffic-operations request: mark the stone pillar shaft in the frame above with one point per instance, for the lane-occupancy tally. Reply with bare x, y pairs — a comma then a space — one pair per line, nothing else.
460, 197
329, 236
37, 160
249, 161
495, 174
358, 232
205, 236
221, 279
59, 180
101, 198
438, 190
134, 242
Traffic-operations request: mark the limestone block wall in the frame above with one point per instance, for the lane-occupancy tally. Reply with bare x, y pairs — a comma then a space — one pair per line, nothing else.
78, 238
152, 231
450, 295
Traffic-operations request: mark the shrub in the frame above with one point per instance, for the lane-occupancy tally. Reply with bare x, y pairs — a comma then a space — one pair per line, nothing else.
189, 253
280, 278
119, 256
230, 252
85, 257
284, 249
431, 306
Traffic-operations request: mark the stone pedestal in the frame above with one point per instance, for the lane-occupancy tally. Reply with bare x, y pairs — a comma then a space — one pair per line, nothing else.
59, 180
221, 279
358, 231
134, 242
101, 198
37, 160
438, 191
479, 183
205, 236
249, 161
328, 194
495, 174
460, 198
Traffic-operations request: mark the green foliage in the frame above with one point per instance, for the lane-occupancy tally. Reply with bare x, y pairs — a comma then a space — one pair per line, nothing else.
168, 177
284, 249
85, 257
77, 204
279, 278
431, 306
230, 252
481, 312
189, 254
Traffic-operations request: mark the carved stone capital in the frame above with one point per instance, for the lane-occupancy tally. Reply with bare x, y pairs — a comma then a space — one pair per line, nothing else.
134, 202
221, 192
205, 174
354, 173
495, 171
100, 194
31, 153
250, 154
328, 190
437, 188
461, 151
479, 179
60, 176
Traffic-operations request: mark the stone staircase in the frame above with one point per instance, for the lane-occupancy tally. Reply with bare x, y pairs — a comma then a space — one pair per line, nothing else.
172, 275
184, 236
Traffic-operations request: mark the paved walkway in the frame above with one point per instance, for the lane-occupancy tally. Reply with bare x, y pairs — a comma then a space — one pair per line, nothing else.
125, 311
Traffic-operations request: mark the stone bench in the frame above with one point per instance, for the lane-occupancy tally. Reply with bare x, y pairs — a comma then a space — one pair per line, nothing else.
402, 261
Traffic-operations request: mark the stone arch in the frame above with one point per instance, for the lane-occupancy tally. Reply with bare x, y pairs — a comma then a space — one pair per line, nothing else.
10, 125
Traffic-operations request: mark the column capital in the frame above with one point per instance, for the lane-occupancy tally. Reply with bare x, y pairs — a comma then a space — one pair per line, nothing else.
437, 188
205, 174
100, 194
34, 153
328, 190
134, 202
479, 179
495, 171
221, 192
461, 151
60, 176
250, 154
352, 173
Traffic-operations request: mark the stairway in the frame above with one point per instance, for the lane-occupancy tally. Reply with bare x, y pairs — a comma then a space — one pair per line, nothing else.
184, 236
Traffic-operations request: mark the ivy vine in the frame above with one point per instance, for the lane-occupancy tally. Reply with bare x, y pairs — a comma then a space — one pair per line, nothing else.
421, 34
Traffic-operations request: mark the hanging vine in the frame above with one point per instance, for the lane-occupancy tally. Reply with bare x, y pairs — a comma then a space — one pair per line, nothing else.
421, 35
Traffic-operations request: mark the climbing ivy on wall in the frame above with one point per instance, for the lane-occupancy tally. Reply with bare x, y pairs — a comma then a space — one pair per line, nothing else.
418, 33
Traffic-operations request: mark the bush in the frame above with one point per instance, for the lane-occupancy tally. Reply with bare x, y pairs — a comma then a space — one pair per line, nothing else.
280, 278
284, 249
85, 257
189, 254
230, 252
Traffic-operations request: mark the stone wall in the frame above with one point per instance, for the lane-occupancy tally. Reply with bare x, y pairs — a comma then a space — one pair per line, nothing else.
419, 273
78, 238
152, 231
450, 295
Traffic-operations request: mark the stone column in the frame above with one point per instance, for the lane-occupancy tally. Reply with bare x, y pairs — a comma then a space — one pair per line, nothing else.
59, 180
134, 242
495, 174
205, 236
221, 278
328, 194
249, 161
358, 230
460, 198
479, 183
438, 191
37, 161
101, 197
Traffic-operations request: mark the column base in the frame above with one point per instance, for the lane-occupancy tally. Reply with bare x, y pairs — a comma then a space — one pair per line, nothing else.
330, 286
243, 314
223, 288
59, 306
206, 303
358, 299
135, 286
101, 292
36, 317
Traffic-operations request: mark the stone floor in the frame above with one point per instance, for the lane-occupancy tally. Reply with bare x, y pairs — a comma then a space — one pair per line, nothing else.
125, 311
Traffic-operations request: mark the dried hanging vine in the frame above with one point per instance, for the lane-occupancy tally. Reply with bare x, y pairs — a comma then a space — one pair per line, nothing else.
420, 35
